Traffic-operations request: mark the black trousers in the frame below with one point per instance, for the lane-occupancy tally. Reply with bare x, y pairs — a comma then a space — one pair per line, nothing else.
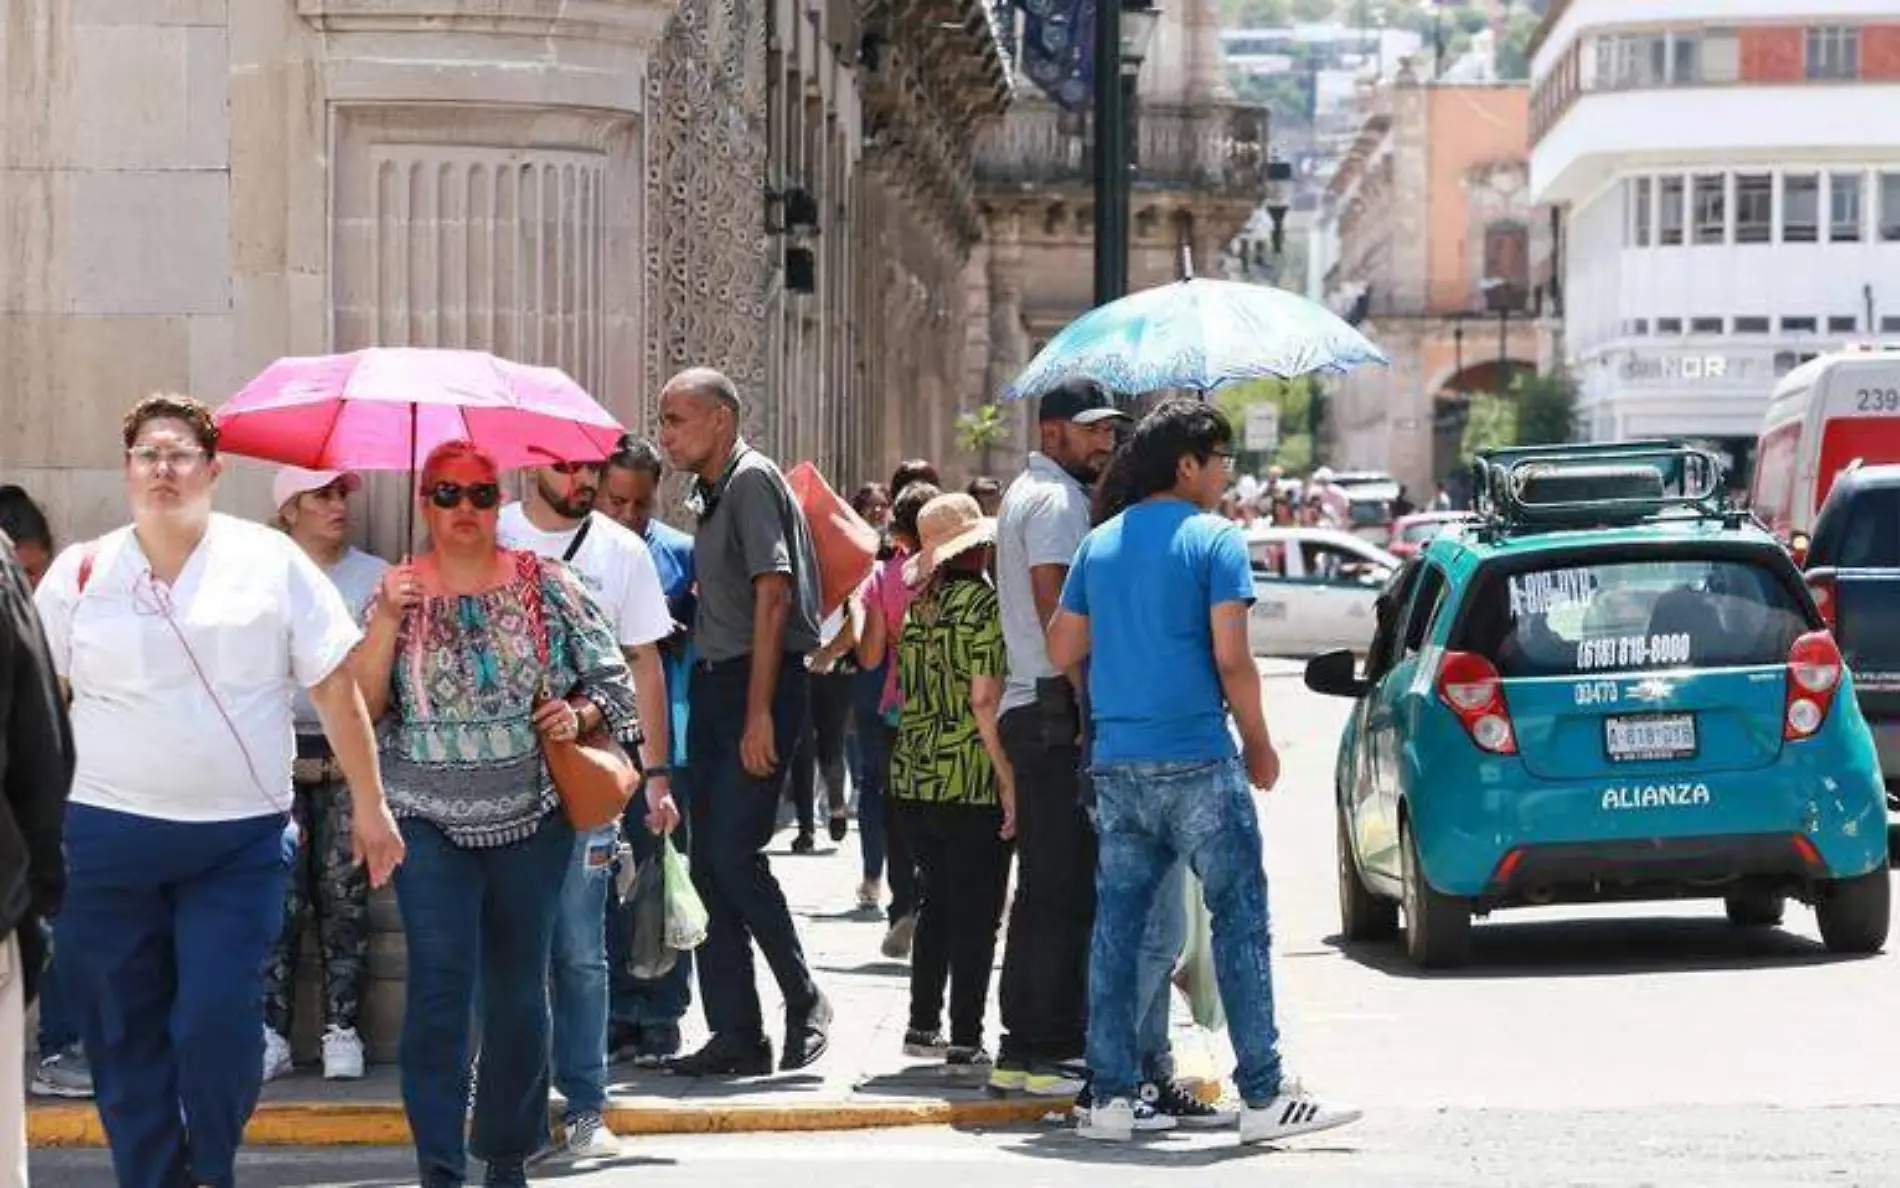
821, 748
1044, 994
733, 817
963, 876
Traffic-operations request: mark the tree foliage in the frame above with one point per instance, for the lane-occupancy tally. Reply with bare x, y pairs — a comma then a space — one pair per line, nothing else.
1300, 401
1546, 408
1490, 425
980, 430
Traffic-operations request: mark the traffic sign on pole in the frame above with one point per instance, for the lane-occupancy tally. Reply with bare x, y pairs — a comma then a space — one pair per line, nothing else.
1263, 427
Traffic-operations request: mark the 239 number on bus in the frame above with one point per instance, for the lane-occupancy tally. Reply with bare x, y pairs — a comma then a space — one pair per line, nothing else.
1877, 400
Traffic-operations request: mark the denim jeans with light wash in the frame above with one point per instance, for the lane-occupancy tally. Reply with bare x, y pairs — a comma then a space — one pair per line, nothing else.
1151, 816
1161, 943
580, 985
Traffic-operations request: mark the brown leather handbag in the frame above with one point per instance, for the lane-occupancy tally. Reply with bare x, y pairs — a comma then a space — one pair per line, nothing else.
594, 774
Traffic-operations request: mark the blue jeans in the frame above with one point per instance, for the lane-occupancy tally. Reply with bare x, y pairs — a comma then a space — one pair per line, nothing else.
164, 934
461, 907
579, 995
1161, 944
59, 1013
872, 774
649, 1002
1153, 815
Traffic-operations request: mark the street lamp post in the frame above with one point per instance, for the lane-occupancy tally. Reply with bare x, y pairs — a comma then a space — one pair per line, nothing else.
1122, 29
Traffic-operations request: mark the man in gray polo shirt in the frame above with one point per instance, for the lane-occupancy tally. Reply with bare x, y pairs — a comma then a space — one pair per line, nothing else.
757, 619
1045, 515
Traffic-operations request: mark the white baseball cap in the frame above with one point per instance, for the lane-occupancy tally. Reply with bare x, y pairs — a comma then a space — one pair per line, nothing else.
293, 481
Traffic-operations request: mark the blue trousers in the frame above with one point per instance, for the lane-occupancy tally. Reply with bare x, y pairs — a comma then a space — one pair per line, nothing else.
460, 908
163, 939
1153, 815
579, 995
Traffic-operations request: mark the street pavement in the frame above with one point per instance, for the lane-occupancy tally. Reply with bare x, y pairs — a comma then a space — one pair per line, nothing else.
1639, 1044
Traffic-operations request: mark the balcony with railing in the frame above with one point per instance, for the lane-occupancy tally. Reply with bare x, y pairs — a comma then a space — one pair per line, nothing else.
1219, 149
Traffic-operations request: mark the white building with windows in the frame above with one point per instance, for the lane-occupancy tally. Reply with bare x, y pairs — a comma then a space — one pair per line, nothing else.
1727, 180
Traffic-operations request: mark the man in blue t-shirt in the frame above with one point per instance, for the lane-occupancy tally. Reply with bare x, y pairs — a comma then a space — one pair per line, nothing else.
1158, 599
646, 1012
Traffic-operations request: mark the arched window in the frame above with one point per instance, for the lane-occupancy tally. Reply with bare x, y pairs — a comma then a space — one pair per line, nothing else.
1507, 254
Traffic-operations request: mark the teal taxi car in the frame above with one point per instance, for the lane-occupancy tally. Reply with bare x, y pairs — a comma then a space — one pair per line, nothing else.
1608, 686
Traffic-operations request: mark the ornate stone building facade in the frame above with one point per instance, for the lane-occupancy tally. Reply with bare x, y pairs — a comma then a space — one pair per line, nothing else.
1433, 239
1200, 174
780, 188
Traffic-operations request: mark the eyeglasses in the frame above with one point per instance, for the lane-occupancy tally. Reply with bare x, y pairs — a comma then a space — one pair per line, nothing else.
448, 496
573, 468
148, 459
1226, 459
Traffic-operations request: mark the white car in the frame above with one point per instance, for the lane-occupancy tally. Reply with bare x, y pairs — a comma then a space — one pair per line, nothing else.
1314, 590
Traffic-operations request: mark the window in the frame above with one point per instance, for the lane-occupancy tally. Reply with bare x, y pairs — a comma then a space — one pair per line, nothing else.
1785, 361
1754, 209
1800, 208
1669, 216
1843, 204
1431, 590
1639, 326
1711, 208
1751, 325
1846, 325
1507, 254
1669, 325
1705, 325
1890, 207
1890, 324
1721, 56
1797, 325
1685, 59
1632, 60
1833, 51
1625, 616
1638, 191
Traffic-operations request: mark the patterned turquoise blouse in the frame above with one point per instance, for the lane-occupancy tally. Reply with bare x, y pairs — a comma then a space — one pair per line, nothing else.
458, 749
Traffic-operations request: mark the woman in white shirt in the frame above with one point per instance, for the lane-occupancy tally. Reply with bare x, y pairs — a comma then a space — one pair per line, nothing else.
182, 640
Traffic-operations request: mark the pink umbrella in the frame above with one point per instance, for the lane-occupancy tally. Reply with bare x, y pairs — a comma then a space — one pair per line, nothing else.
387, 407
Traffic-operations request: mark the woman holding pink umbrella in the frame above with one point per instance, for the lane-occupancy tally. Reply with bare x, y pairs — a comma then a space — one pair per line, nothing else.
459, 645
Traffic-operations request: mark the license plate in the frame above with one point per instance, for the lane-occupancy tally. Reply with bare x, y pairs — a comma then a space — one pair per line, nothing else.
1650, 736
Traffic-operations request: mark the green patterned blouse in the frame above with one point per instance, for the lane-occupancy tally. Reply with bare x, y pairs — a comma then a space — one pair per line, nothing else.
952, 634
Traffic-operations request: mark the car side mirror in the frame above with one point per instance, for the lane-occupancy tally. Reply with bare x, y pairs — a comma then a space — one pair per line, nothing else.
1336, 674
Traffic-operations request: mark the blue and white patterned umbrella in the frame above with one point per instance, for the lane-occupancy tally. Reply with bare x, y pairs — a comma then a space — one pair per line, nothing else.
1196, 334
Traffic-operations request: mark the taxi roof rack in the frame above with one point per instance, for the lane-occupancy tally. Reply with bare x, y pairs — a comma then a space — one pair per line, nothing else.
1596, 485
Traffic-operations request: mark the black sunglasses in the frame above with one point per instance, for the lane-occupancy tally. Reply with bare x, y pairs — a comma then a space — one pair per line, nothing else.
447, 496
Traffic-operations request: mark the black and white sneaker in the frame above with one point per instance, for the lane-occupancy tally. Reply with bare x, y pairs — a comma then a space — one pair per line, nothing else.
925, 1045
1119, 1120
1169, 1098
1293, 1112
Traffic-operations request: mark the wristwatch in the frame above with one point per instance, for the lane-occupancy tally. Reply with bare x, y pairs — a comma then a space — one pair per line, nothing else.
660, 769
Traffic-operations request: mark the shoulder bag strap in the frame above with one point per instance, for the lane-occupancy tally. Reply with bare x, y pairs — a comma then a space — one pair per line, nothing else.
580, 538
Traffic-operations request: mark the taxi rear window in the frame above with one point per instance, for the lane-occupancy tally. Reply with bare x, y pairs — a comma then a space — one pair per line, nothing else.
1632, 616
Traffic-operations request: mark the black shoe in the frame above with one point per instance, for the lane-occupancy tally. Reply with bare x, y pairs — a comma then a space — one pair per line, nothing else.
807, 1034
804, 843
659, 1043
922, 1044
726, 1057
623, 1041
1167, 1097
839, 826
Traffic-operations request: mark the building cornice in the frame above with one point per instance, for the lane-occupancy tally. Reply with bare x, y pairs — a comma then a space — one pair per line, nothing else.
639, 22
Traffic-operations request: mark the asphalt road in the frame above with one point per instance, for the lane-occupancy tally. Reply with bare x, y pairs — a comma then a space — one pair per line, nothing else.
1627, 1045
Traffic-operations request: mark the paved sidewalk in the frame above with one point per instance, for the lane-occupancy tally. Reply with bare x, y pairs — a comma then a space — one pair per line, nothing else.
863, 1081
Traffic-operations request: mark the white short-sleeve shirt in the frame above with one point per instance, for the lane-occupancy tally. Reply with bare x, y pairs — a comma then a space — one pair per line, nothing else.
182, 694
613, 563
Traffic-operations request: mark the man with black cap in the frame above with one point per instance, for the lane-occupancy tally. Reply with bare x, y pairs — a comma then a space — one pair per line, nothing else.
1045, 515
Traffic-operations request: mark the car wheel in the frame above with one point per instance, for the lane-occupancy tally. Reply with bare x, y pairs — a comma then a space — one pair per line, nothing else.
1437, 927
1754, 909
1854, 913
1363, 916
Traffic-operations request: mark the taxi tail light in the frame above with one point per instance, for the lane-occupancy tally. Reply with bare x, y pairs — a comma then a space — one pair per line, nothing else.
1470, 687
1814, 677
1822, 587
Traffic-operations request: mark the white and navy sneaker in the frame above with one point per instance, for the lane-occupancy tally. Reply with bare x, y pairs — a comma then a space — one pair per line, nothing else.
1293, 1112
1171, 1100
1120, 1119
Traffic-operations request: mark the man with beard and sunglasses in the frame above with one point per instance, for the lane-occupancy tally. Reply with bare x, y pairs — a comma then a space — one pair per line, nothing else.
556, 519
1045, 515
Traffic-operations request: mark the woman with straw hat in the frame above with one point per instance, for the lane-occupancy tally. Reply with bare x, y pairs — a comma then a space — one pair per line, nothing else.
950, 782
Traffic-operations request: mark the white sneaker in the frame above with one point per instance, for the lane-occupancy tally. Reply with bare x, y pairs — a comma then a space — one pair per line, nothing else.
277, 1061
589, 1138
342, 1054
1117, 1121
1293, 1112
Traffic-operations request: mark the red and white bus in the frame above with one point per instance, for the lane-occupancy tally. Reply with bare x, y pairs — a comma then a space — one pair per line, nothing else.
1825, 415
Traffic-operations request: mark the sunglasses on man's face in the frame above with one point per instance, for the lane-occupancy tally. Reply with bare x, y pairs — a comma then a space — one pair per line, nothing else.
448, 496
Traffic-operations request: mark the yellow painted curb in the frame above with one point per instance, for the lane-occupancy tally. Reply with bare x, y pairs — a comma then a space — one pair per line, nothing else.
384, 1124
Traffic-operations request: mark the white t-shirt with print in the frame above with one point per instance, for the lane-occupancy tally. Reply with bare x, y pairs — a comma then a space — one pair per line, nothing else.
249, 611
614, 565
